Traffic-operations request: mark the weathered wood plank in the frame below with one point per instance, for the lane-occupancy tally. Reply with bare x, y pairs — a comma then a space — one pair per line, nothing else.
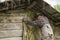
10, 26
7, 19
13, 38
10, 33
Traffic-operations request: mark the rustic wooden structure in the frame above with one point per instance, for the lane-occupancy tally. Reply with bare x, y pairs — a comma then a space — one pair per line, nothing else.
31, 5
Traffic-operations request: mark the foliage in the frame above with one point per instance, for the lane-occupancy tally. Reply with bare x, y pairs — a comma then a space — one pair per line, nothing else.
57, 7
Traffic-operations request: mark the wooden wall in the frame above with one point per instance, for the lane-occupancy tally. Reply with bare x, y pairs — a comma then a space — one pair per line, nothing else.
11, 27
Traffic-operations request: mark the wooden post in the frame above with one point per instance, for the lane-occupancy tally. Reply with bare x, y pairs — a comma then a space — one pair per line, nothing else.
6, 4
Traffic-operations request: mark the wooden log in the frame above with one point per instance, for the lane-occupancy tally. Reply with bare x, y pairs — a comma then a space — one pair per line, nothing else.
13, 38
10, 33
11, 26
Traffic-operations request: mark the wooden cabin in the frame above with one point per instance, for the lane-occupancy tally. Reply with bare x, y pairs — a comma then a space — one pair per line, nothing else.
12, 12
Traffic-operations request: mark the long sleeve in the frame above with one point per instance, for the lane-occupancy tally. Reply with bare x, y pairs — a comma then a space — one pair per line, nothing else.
33, 23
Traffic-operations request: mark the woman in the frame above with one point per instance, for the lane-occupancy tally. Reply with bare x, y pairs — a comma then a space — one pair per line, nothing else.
43, 23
